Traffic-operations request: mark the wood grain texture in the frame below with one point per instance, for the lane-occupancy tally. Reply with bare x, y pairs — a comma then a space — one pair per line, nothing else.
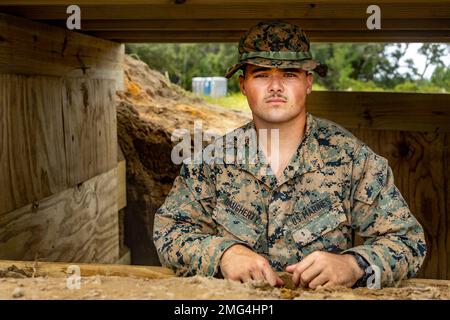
28, 47
402, 21
60, 270
187, 36
383, 110
54, 134
90, 128
273, 10
32, 152
419, 161
79, 224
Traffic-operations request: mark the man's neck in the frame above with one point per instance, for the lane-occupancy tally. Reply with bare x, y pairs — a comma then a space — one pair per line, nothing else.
290, 134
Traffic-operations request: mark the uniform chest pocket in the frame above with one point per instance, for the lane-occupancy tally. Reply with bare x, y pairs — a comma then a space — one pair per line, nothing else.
325, 224
231, 225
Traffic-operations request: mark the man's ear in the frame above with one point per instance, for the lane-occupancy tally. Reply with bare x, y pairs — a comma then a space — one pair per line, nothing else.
310, 80
241, 84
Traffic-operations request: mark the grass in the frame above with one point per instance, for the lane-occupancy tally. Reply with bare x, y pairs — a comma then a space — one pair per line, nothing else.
231, 101
238, 101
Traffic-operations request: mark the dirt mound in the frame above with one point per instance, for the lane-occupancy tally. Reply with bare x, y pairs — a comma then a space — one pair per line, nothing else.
148, 112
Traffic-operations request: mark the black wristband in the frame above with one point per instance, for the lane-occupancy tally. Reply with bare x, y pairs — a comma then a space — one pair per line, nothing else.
364, 265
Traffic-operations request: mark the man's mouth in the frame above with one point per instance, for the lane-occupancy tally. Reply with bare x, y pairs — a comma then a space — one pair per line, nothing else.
276, 100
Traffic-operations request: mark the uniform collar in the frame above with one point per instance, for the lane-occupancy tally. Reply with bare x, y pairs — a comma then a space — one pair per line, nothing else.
307, 158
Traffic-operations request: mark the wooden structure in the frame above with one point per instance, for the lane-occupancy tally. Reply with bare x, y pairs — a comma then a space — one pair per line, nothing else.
224, 21
58, 153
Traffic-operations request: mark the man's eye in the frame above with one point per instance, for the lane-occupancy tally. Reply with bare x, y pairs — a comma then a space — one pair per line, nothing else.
290, 75
260, 76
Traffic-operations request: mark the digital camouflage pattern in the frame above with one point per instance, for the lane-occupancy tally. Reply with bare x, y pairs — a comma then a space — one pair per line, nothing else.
334, 186
276, 44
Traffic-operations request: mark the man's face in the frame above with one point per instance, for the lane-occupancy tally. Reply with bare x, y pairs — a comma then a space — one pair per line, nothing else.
275, 95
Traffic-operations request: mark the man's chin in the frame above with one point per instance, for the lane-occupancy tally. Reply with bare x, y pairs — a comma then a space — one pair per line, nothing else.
277, 118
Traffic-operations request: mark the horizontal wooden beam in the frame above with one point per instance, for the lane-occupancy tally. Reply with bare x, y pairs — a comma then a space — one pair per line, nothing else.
383, 110
275, 10
28, 47
314, 36
244, 24
60, 269
213, 2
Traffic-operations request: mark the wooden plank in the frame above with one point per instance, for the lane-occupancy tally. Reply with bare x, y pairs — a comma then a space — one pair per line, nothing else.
243, 25
383, 110
60, 270
274, 10
54, 134
419, 161
313, 35
121, 185
29, 47
79, 224
426, 282
32, 153
90, 131
211, 2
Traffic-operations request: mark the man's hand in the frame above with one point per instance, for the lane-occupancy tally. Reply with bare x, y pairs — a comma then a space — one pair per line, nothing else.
325, 269
239, 263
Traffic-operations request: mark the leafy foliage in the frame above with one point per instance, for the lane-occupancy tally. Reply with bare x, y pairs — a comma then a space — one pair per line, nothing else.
359, 67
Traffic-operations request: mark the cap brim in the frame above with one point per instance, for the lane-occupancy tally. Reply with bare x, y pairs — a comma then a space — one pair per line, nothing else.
307, 65
234, 69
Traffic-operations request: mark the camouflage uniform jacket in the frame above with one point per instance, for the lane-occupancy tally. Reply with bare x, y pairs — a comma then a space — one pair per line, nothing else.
334, 185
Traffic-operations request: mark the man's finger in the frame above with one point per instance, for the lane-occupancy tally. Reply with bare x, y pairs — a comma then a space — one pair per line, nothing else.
309, 274
320, 280
270, 276
280, 281
291, 268
257, 275
301, 267
245, 277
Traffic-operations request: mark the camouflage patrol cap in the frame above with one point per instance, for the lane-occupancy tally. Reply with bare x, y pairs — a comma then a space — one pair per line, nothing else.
276, 44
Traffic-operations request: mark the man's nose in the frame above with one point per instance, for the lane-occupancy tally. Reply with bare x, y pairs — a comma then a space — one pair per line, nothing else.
276, 84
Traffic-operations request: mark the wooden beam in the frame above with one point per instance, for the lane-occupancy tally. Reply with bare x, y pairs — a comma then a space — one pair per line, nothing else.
243, 25
329, 10
314, 36
79, 224
383, 110
28, 47
210, 2
60, 270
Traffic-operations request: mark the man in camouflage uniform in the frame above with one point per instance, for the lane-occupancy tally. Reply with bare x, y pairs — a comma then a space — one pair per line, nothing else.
247, 220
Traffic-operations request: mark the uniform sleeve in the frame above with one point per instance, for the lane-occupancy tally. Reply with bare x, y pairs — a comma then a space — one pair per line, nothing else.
184, 232
393, 239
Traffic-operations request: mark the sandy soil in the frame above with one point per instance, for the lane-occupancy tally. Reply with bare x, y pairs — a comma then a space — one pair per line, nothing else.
102, 287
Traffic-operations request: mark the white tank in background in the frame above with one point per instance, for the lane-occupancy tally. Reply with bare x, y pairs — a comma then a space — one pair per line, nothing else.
210, 86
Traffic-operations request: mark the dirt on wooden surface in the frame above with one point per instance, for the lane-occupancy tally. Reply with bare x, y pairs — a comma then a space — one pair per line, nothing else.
15, 284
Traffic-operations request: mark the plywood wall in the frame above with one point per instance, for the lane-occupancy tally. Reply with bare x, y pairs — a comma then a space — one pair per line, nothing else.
59, 197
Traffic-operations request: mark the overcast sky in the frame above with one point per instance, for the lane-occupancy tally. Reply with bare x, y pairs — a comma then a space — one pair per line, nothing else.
420, 59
